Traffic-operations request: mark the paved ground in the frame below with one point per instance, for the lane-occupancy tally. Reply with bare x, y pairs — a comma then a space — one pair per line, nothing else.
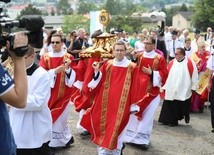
186, 139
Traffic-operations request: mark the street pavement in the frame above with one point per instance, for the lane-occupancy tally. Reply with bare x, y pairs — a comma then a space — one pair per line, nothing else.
194, 138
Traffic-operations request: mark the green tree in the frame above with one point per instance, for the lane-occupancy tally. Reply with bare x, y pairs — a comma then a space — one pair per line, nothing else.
203, 16
113, 6
127, 23
86, 7
74, 22
183, 8
30, 10
117, 7
64, 8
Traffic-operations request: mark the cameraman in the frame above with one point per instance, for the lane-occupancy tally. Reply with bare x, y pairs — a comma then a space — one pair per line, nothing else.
14, 92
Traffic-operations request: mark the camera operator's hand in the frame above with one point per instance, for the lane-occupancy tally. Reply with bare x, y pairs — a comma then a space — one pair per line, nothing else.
19, 45
17, 96
20, 40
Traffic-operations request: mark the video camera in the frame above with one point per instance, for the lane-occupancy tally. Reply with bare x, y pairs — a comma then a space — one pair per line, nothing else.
33, 25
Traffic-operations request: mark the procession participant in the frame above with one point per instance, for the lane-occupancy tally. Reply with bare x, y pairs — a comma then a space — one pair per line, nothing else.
151, 74
181, 81
195, 40
200, 95
173, 44
59, 65
35, 114
159, 43
187, 47
82, 96
109, 114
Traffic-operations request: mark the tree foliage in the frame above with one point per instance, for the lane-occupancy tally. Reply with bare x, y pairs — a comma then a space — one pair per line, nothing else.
30, 10
116, 7
183, 8
112, 6
74, 22
127, 23
64, 8
86, 7
203, 16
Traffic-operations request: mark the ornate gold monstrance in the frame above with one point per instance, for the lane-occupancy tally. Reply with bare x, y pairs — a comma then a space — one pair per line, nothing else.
102, 44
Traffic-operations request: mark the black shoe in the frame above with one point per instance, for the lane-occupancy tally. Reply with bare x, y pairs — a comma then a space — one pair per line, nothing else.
144, 146
173, 124
187, 118
134, 145
201, 110
212, 130
139, 146
85, 133
71, 141
122, 149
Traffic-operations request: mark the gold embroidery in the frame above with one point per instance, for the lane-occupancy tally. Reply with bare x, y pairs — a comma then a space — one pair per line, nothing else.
62, 81
105, 101
122, 104
47, 60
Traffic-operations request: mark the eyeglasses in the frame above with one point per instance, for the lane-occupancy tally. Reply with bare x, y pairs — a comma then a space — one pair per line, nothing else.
55, 42
119, 50
147, 43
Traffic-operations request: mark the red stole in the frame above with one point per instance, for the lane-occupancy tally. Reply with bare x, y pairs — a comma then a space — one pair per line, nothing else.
109, 114
60, 94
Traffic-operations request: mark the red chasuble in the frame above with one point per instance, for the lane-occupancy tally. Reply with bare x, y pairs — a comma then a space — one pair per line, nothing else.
60, 94
142, 85
83, 99
109, 114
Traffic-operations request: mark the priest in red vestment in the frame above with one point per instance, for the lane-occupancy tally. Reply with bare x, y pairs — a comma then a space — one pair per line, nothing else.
150, 76
59, 65
107, 118
200, 96
82, 97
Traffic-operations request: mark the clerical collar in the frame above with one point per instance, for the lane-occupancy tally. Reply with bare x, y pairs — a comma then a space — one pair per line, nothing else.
187, 49
56, 54
124, 62
150, 54
30, 70
181, 59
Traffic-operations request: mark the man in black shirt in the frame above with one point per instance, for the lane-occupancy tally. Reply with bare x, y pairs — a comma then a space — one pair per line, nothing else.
80, 43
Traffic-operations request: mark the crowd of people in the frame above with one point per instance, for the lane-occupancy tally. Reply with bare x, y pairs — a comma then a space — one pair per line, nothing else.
116, 98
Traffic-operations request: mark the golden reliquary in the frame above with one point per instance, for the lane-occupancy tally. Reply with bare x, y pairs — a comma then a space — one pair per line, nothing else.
102, 47
102, 44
